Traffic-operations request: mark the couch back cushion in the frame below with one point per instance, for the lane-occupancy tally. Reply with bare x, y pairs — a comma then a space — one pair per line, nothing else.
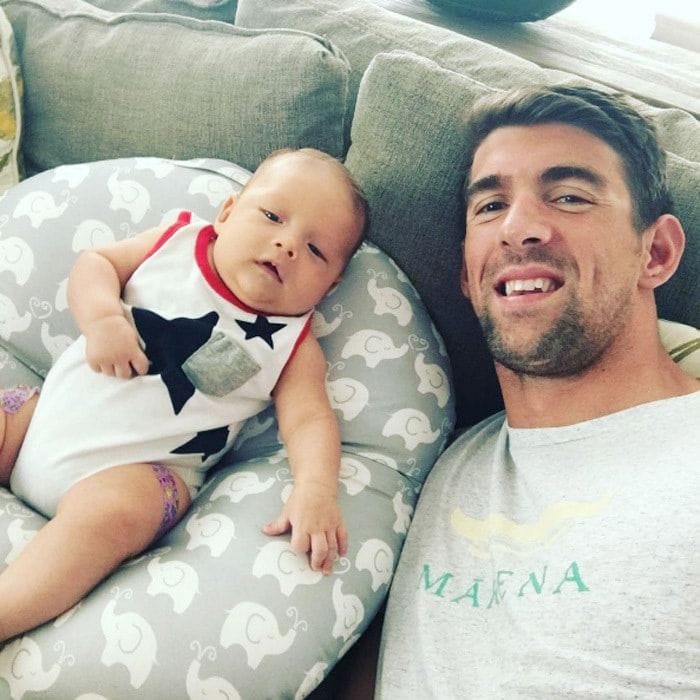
361, 29
223, 10
105, 85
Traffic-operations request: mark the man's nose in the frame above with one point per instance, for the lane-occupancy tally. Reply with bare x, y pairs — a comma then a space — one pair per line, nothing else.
526, 223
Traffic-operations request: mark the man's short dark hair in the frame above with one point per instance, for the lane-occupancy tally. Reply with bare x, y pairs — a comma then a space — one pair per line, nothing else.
606, 116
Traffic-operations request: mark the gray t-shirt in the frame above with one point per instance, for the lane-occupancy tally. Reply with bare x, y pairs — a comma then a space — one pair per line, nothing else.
545, 563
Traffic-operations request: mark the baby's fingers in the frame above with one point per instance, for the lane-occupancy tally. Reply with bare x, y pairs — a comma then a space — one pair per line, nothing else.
123, 370
278, 526
342, 541
140, 363
320, 551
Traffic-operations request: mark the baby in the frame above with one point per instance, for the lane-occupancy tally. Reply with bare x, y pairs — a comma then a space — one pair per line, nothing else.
187, 331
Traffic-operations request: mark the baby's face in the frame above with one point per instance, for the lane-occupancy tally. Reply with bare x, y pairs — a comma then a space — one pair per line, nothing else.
284, 242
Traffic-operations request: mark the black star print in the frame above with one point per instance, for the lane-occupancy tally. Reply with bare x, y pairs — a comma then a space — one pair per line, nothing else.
262, 328
169, 342
208, 442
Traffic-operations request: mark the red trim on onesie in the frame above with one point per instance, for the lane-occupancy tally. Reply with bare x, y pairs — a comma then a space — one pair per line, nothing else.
304, 332
201, 252
183, 218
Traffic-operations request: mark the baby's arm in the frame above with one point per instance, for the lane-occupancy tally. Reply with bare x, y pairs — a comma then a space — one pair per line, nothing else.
310, 432
94, 291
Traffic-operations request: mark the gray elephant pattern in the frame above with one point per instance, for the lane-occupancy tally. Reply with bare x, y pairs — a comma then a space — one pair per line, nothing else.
216, 606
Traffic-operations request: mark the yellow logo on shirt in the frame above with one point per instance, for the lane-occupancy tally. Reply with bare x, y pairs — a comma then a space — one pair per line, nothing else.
521, 538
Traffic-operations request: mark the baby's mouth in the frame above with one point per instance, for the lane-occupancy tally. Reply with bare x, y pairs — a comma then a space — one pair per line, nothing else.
272, 270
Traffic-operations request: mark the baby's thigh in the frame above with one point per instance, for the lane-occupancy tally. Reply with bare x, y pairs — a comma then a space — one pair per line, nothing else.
129, 506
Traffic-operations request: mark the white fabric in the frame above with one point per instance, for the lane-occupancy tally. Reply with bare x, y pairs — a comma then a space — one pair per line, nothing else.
205, 375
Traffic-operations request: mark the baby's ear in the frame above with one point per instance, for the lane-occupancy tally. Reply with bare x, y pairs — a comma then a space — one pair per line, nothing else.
226, 208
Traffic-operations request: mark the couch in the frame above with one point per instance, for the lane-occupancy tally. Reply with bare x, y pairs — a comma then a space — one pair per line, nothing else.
115, 115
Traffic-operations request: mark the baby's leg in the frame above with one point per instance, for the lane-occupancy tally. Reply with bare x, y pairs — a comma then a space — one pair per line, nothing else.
100, 521
16, 409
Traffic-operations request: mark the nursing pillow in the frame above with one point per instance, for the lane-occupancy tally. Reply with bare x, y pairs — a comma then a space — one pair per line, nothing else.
216, 605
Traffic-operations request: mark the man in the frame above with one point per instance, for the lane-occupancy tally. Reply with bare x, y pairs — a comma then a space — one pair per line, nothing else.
553, 551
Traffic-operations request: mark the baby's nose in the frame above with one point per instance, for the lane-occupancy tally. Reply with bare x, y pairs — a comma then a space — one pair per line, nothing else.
288, 247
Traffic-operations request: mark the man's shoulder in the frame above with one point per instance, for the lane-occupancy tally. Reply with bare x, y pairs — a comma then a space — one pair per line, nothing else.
488, 426
476, 438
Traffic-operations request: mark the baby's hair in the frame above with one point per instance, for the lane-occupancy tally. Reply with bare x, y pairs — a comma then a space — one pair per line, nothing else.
359, 200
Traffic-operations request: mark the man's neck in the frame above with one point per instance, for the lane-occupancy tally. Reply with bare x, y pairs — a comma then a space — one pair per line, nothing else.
624, 377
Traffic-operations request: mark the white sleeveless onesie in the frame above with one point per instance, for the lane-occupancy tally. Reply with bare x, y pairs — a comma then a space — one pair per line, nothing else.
213, 363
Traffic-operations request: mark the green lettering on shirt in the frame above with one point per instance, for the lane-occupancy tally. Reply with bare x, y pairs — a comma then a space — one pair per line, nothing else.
472, 593
497, 592
537, 584
572, 575
439, 584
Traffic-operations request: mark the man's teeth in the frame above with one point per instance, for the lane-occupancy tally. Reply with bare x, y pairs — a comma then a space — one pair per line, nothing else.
540, 284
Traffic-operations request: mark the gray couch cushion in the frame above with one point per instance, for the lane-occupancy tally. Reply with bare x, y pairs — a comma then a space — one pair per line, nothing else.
408, 153
223, 10
103, 85
360, 30
639, 67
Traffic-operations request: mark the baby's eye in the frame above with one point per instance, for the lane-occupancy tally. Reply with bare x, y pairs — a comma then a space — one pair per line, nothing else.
271, 216
316, 251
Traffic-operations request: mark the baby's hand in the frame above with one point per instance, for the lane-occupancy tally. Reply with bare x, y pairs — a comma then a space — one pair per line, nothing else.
112, 347
313, 514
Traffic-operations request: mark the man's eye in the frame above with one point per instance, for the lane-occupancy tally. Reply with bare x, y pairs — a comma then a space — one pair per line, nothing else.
490, 207
574, 199
271, 216
316, 251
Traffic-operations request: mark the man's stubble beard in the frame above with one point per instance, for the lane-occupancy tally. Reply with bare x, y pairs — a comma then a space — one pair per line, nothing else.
571, 346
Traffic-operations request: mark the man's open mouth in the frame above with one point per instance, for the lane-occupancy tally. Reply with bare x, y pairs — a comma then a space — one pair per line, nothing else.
536, 285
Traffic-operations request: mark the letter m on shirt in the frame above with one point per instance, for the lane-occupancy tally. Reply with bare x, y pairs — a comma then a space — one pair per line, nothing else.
436, 585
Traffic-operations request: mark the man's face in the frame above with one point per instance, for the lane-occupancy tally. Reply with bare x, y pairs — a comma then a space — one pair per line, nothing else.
551, 257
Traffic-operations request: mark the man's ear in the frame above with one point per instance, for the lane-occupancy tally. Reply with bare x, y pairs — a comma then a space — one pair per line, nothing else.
664, 242
226, 208
463, 276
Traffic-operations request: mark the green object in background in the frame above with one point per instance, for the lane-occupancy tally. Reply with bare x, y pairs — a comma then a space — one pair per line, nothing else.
503, 10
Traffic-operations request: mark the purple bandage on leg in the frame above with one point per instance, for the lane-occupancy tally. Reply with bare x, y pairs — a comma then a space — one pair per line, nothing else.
170, 498
13, 399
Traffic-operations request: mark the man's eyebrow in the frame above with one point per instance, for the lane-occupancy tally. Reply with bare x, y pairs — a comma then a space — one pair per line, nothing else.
489, 182
572, 172
555, 173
